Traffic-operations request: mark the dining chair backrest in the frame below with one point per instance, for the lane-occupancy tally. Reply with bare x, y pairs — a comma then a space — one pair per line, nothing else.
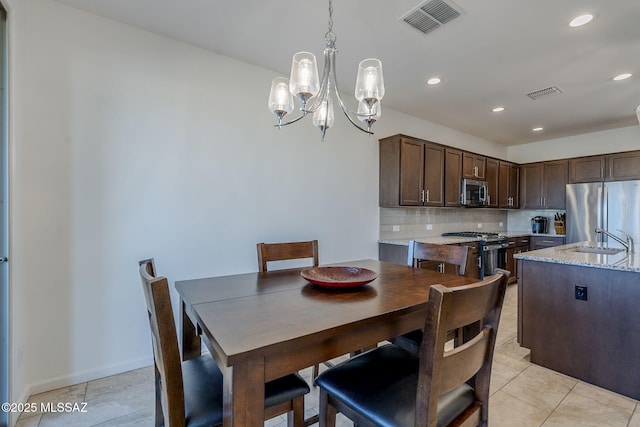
445, 254
442, 371
268, 252
150, 266
166, 355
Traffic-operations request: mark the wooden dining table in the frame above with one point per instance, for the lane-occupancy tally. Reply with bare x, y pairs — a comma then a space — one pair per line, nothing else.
262, 326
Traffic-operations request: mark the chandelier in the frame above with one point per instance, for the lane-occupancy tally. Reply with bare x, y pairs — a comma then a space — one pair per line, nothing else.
315, 94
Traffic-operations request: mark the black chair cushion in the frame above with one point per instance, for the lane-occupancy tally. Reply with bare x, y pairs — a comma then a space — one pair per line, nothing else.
203, 391
381, 385
284, 389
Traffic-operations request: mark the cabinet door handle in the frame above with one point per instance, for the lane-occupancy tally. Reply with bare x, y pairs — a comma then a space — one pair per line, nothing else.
427, 199
441, 267
421, 196
479, 262
488, 199
548, 241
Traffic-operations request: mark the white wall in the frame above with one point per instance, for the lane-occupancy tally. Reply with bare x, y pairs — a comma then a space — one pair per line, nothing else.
609, 141
127, 145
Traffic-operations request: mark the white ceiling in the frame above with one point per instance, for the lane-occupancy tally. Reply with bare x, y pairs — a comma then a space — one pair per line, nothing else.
493, 54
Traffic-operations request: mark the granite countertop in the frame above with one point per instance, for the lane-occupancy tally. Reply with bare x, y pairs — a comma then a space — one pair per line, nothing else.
567, 254
439, 240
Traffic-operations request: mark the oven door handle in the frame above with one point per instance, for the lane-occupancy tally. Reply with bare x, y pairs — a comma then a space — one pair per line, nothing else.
488, 248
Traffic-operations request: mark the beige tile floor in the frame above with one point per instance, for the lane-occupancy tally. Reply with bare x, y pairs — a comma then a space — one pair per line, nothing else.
522, 394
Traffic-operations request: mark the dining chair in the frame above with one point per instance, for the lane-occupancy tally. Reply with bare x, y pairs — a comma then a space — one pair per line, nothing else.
190, 393
419, 253
268, 252
437, 255
390, 386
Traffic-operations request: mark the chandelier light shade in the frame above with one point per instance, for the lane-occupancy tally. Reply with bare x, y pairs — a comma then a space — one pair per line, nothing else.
315, 94
369, 83
280, 99
304, 76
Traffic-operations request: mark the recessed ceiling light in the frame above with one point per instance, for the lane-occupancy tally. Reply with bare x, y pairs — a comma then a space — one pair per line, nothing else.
538, 129
498, 109
622, 76
581, 20
433, 81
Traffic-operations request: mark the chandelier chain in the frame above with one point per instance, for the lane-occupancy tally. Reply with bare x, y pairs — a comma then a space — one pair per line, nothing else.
330, 35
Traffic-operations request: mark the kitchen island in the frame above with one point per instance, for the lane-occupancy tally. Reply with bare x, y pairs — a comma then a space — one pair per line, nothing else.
578, 313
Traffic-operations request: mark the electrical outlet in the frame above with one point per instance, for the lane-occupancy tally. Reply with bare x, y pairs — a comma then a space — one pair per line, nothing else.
501, 224
581, 293
479, 225
429, 226
396, 228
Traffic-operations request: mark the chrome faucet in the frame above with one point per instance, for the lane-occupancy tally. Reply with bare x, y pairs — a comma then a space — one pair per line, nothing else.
628, 244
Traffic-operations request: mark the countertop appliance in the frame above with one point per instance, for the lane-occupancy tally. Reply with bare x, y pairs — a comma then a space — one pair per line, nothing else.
539, 224
474, 193
493, 252
612, 206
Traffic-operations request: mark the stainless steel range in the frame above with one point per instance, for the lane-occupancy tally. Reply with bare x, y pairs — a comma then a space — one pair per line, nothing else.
493, 252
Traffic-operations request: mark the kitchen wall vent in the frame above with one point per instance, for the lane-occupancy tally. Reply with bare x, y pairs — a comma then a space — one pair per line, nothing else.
549, 91
431, 15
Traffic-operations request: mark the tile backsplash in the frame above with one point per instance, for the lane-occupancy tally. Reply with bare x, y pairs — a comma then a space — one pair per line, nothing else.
520, 220
405, 223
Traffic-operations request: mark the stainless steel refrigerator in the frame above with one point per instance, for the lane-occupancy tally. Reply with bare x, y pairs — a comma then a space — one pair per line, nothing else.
612, 206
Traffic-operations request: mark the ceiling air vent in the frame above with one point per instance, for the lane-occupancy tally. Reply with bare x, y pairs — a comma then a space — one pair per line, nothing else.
431, 15
542, 93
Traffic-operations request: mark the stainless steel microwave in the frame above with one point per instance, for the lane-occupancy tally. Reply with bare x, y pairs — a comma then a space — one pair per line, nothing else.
474, 193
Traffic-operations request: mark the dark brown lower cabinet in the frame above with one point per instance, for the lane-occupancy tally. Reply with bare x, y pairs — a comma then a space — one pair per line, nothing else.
542, 242
595, 339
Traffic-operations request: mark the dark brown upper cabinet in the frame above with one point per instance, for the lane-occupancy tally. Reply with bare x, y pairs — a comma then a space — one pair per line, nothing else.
453, 177
508, 185
543, 185
492, 171
473, 166
411, 172
609, 167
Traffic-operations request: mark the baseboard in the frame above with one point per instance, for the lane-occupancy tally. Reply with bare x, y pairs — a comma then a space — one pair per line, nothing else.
82, 377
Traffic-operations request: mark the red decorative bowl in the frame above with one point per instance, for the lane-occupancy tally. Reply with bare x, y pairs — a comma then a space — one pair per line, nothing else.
339, 277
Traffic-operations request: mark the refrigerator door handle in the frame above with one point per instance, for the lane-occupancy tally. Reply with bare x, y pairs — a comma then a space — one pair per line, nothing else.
604, 210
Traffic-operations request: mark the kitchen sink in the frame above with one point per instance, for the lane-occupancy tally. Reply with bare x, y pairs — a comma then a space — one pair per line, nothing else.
595, 250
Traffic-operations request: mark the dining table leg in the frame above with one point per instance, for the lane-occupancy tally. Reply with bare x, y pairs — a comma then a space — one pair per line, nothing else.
191, 342
243, 394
